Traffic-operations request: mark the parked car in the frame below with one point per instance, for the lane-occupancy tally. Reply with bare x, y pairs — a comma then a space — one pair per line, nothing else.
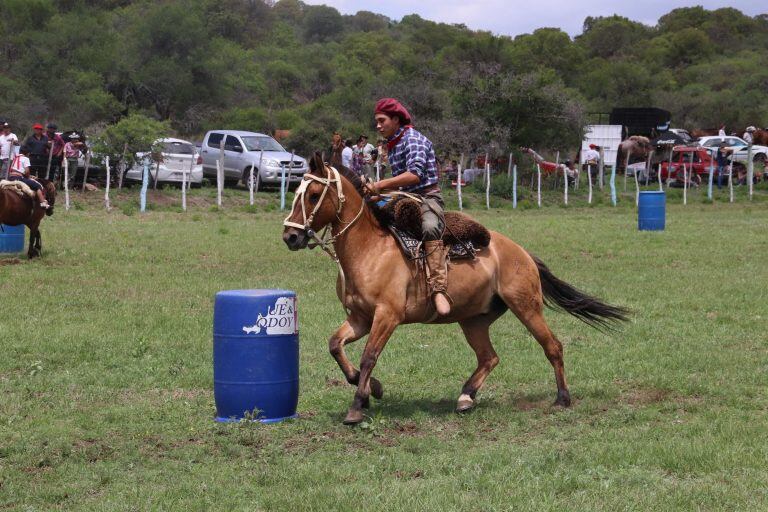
175, 158
738, 146
243, 150
693, 157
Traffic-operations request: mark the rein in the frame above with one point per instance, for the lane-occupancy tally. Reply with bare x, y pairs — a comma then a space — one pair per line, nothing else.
325, 241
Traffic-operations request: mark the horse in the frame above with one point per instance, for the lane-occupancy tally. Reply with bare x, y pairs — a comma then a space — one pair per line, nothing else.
380, 289
16, 209
635, 146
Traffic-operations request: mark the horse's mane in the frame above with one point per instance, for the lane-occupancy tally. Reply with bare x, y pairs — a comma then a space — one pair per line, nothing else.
385, 218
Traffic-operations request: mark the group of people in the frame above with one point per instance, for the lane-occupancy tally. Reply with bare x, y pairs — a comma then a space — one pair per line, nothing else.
360, 156
39, 157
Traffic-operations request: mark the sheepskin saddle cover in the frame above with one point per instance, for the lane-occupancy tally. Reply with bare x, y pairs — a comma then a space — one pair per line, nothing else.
463, 235
19, 187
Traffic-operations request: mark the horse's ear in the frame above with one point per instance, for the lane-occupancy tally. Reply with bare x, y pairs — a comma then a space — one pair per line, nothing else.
316, 164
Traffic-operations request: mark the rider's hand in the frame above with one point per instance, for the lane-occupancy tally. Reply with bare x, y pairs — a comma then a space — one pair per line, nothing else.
371, 189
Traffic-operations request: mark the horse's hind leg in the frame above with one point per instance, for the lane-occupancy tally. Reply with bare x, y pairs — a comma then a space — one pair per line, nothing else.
527, 304
351, 330
34, 243
476, 332
553, 349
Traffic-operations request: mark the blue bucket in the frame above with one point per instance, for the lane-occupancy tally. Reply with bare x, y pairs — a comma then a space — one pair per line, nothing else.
255, 355
651, 211
11, 238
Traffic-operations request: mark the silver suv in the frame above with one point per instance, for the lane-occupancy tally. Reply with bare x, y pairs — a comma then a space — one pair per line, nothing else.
242, 150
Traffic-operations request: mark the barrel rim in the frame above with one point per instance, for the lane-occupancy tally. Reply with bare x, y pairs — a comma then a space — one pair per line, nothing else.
256, 293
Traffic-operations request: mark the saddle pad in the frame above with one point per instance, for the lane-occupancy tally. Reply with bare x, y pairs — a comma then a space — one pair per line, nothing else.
19, 187
414, 249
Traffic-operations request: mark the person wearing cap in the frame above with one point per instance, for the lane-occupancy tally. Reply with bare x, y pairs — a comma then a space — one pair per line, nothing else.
7, 150
56, 147
37, 144
20, 171
748, 135
414, 170
72, 151
591, 155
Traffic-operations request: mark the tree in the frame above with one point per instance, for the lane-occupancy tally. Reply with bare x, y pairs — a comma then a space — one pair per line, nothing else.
132, 134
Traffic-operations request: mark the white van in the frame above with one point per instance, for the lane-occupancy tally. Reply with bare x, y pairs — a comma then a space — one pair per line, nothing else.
242, 150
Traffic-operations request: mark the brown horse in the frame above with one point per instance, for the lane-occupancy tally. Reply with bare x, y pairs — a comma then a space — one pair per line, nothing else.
16, 210
380, 289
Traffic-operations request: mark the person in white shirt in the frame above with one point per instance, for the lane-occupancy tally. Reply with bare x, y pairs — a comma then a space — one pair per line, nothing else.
721, 131
7, 150
591, 155
365, 150
346, 154
20, 172
748, 135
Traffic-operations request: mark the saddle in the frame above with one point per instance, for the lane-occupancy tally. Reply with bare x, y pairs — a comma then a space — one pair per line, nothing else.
463, 236
19, 187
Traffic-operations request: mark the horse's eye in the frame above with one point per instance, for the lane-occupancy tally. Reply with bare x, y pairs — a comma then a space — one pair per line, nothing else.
314, 198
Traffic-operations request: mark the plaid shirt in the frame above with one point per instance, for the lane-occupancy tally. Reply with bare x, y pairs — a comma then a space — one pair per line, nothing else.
414, 153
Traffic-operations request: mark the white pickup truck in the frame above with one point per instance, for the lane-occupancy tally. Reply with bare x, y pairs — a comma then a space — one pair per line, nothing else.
737, 146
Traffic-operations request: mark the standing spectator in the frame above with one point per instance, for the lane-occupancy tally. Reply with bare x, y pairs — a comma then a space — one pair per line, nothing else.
56, 147
592, 156
37, 144
7, 142
748, 135
347, 154
365, 150
72, 152
721, 131
721, 157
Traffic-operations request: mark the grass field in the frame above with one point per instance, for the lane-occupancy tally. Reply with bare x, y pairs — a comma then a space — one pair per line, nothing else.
106, 373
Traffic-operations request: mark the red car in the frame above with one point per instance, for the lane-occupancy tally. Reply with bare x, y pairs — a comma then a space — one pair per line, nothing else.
682, 155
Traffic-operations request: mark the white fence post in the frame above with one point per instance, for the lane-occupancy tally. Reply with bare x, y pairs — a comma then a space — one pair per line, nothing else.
144, 185
258, 171
730, 179
589, 183
458, 182
514, 186
66, 184
487, 185
538, 185
220, 173
106, 188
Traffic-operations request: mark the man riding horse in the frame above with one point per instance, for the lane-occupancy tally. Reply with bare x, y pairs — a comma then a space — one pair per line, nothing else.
414, 170
20, 171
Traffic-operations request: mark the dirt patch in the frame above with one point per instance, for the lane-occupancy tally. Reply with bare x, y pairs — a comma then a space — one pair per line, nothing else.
648, 396
9, 261
332, 382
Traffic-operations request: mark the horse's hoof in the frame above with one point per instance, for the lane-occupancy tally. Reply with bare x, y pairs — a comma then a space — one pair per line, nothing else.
354, 416
377, 390
563, 399
465, 404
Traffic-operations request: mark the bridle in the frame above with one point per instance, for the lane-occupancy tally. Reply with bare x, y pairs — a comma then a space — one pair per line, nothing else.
325, 240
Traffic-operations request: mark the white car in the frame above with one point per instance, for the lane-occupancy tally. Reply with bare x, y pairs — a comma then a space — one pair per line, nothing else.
737, 145
177, 157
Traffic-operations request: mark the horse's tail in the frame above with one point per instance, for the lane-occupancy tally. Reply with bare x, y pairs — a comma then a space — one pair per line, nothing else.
560, 295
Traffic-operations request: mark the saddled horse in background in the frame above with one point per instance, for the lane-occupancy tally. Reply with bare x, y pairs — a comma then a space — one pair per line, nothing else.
18, 209
381, 289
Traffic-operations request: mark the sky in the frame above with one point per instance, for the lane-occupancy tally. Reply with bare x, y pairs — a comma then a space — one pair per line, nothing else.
513, 17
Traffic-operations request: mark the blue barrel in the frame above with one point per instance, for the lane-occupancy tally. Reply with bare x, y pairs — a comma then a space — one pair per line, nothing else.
11, 238
651, 211
255, 355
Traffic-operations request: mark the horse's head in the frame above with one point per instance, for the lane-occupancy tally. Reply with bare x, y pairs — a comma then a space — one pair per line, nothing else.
317, 203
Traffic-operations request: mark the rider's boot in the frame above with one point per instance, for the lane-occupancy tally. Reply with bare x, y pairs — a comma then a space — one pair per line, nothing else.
438, 276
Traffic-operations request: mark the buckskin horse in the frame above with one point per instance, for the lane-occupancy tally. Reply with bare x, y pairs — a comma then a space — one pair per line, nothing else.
18, 209
381, 289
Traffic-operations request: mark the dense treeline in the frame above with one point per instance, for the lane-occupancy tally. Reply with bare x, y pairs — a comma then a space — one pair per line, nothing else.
260, 65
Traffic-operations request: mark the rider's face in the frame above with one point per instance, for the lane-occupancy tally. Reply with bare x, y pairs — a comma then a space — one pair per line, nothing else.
387, 126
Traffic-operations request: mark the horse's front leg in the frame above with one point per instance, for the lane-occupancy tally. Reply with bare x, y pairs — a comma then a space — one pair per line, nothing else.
34, 244
384, 323
350, 331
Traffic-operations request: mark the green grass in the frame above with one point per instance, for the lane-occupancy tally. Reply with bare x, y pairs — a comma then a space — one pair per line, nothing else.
106, 373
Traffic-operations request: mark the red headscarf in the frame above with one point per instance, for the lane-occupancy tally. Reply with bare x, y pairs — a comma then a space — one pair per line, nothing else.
392, 107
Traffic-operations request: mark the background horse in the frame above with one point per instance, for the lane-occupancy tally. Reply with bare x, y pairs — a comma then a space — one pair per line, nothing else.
16, 209
381, 289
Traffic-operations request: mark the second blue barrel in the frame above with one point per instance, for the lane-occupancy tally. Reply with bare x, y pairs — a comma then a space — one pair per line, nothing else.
255, 355
11, 238
651, 211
